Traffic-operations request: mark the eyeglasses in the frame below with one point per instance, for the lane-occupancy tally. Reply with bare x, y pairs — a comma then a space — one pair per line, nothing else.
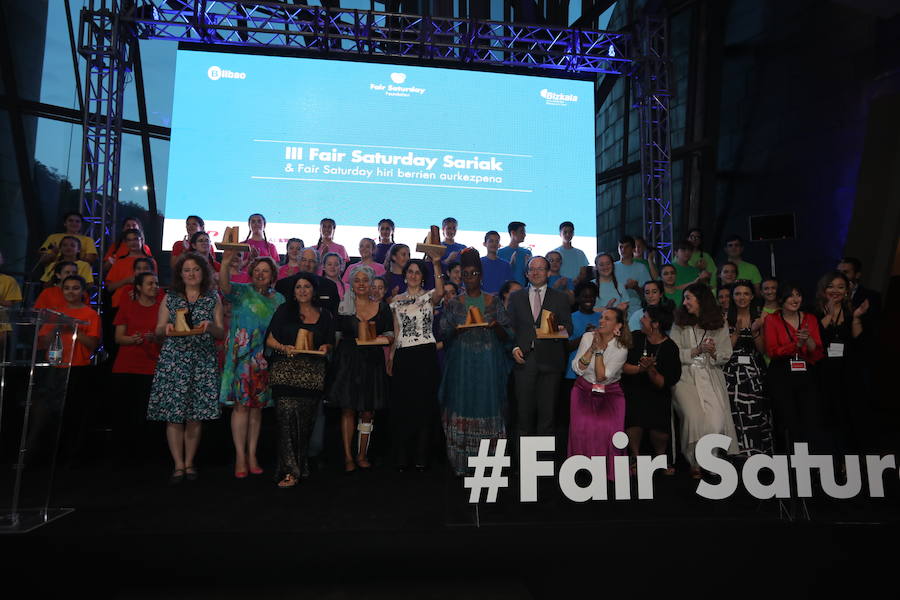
470, 274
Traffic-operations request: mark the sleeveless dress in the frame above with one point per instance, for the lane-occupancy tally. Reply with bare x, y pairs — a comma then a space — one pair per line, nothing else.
360, 380
744, 376
186, 382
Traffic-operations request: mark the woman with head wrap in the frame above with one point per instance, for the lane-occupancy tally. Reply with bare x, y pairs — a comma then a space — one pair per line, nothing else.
472, 395
360, 383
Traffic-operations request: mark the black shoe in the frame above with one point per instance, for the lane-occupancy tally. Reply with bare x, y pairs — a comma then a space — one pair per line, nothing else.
191, 474
176, 477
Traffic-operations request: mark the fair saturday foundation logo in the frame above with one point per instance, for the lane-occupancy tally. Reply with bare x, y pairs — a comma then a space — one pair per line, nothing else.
396, 88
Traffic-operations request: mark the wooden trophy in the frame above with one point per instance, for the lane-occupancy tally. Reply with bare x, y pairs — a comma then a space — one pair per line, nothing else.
548, 329
366, 335
230, 241
474, 318
432, 245
181, 326
304, 343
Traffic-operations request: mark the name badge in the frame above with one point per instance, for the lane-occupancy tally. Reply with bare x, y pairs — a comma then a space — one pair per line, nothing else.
743, 360
835, 350
598, 388
798, 366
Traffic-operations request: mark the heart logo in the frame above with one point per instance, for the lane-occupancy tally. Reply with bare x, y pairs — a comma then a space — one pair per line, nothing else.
398, 77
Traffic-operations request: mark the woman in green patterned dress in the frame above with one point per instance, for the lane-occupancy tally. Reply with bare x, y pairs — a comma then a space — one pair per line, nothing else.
245, 374
185, 388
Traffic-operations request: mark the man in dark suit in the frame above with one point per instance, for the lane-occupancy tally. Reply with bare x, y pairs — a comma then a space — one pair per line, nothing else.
539, 363
309, 263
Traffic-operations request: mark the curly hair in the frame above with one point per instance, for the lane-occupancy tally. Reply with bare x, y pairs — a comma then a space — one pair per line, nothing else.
205, 269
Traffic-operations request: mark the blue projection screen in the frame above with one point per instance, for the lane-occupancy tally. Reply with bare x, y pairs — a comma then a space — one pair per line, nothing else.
300, 139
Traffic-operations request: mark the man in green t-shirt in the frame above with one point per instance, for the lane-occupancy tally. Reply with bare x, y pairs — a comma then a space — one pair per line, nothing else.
734, 249
686, 274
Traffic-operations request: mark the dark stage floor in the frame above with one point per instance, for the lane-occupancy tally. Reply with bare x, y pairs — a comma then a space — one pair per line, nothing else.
386, 534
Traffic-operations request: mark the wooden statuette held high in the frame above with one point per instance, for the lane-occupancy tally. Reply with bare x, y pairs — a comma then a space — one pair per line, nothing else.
432, 245
548, 329
230, 240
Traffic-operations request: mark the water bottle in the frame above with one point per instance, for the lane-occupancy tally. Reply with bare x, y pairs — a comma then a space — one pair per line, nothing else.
55, 353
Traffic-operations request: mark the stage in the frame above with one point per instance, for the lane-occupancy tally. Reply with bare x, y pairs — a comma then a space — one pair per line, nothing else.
388, 534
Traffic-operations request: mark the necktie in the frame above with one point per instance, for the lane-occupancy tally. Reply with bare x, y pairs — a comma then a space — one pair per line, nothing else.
535, 303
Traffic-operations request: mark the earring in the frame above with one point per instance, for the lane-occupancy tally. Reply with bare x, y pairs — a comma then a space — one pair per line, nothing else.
618, 332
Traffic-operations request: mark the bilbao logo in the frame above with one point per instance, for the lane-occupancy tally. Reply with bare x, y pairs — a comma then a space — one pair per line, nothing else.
398, 77
215, 73
557, 99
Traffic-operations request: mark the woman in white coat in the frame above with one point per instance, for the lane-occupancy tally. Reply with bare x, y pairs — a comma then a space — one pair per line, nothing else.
700, 397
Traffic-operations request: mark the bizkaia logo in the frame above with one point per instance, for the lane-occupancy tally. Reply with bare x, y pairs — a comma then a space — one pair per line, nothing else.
215, 73
396, 88
556, 99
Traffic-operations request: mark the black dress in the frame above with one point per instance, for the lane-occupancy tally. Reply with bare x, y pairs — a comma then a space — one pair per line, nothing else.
844, 408
360, 379
646, 406
296, 407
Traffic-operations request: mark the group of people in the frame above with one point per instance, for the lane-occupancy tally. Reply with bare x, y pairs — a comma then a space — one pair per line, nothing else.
467, 347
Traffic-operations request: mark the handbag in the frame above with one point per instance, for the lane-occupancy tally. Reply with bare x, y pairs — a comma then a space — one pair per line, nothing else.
301, 374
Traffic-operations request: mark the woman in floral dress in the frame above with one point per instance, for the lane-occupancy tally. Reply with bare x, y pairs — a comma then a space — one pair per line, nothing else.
245, 374
185, 388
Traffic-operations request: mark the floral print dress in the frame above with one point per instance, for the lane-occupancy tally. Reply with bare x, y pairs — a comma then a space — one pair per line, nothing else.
186, 382
245, 373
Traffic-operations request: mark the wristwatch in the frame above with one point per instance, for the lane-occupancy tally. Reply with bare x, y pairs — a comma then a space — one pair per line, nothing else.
598, 352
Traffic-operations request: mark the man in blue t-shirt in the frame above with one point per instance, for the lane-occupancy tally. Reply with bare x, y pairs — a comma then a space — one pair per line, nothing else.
514, 254
572, 258
494, 270
448, 227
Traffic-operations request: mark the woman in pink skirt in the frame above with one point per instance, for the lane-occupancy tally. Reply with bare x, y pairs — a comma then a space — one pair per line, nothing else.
597, 406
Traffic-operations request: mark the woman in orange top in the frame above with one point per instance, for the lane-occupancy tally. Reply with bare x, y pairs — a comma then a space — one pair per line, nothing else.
795, 346
79, 397
52, 297
119, 249
122, 270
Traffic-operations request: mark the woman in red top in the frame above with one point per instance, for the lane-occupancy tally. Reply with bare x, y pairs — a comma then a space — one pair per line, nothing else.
794, 344
135, 364
192, 225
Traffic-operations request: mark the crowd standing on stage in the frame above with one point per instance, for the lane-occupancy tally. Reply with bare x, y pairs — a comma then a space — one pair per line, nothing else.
456, 348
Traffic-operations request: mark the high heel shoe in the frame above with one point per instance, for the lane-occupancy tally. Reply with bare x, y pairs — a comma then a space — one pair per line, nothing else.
256, 470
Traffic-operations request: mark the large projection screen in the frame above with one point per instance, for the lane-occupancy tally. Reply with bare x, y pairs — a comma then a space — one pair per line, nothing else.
299, 139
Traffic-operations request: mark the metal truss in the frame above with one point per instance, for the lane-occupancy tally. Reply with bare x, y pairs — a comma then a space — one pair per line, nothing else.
653, 94
109, 27
372, 33
103, 44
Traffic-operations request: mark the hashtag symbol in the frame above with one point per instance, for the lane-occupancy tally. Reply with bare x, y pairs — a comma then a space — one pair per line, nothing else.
494, 464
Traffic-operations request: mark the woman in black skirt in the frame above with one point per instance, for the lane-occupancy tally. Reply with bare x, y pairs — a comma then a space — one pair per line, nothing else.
652, 368
413, 366
360, 383
297, 378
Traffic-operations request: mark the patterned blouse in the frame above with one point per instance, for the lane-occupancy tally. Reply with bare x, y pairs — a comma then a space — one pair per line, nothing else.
414, 316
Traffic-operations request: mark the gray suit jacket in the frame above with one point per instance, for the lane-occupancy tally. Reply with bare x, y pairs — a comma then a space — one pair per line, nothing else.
546, 355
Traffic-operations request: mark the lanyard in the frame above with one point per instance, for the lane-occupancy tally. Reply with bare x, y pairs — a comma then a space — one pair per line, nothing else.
788, 330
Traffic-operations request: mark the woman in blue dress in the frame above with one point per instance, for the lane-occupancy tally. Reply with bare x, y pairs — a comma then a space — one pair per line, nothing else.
185, 388
473, 391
